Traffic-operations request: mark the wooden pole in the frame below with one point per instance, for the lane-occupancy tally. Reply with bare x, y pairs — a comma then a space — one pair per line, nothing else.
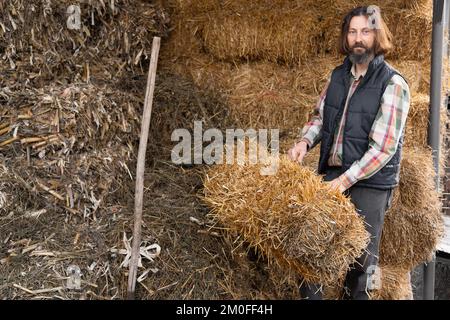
139, 192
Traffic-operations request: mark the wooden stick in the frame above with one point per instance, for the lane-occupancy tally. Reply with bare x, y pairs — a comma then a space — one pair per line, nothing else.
53, 193
25, 116
31, 140
28, 156
37, 139
43, 143
5, 130
37, 291
6, 142
140, 168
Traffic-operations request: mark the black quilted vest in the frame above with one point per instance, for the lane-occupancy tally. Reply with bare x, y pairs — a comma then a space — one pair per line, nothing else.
361, 112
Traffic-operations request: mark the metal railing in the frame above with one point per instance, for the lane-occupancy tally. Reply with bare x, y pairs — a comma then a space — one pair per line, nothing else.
440, 21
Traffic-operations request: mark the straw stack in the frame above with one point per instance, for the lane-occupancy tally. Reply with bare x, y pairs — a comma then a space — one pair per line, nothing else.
292, 217
269, 31
270, 74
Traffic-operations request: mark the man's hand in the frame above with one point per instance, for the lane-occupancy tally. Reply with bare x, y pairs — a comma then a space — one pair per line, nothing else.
298, 151
337, 184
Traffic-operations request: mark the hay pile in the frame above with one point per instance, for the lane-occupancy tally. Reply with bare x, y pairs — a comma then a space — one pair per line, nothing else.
35, 42
258, 95
70, 107
292, 217
66, 144
75, 143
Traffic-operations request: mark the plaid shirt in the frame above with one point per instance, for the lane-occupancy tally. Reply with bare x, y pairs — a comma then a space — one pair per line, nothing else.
384, 135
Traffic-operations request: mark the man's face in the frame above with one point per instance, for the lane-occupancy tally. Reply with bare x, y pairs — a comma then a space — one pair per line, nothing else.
361, 39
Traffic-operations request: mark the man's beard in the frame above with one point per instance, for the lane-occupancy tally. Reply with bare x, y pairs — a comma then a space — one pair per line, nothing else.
361, 58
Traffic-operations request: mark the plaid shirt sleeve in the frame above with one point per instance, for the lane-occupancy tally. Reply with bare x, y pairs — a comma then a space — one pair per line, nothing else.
312, 131
384, 135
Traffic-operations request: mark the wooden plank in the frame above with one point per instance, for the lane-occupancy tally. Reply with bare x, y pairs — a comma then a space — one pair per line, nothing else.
140, 168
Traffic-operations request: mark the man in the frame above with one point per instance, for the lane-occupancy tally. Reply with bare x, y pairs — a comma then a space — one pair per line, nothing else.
359, 120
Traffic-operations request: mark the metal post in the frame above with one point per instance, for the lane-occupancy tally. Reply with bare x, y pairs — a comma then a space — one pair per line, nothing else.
434, 121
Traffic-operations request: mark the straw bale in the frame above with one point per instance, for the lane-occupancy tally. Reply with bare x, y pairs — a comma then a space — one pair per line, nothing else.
312, 76
416, 130
257, 95
270, 35
268, 30
416, 73
413, 225
265, 95
304, 226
